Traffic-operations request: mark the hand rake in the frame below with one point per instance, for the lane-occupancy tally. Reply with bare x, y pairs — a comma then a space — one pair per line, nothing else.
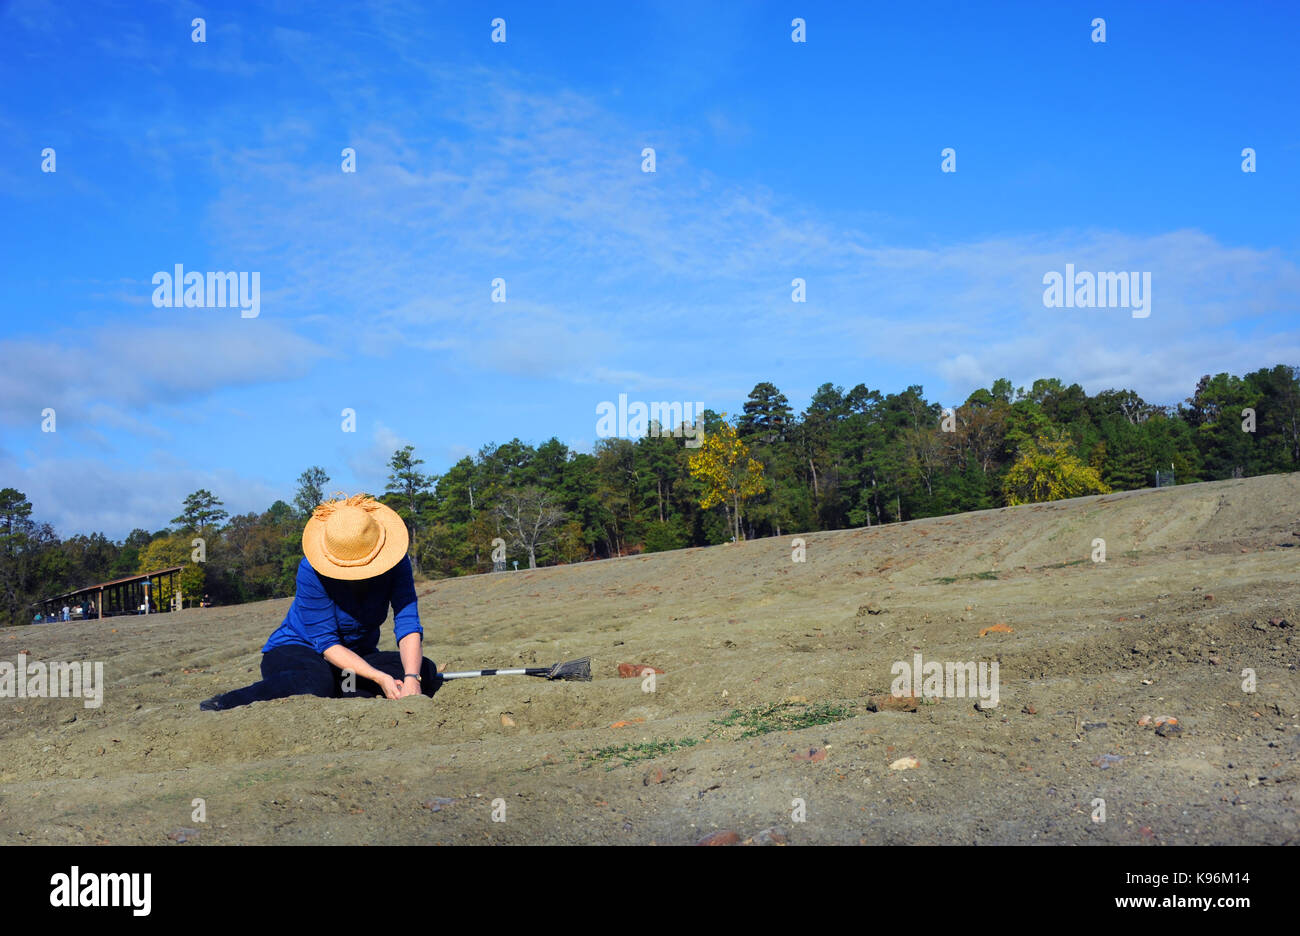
574, 670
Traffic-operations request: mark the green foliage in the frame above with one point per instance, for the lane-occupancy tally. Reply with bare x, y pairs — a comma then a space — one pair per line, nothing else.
311, 490
851, 458
626, 754
988, 576
202, 509
193, 583
783, 716
671, 534
408, 487
163, 553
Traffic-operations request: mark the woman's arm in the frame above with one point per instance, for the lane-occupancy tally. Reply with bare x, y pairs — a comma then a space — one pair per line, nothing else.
410, 649
345, 659
406, 624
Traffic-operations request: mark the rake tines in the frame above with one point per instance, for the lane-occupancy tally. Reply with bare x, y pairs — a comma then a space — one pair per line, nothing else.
574, 670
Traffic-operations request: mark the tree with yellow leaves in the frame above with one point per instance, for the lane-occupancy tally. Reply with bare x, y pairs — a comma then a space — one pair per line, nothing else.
1046, 471
730, 475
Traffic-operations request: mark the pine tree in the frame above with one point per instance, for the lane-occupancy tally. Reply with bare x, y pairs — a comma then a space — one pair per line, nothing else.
201, 510
311, 490
407, 487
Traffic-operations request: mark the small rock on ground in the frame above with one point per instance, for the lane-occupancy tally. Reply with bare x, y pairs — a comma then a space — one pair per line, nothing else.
773, 836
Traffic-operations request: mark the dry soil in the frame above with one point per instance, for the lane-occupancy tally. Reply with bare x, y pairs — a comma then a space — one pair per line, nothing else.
1199, 589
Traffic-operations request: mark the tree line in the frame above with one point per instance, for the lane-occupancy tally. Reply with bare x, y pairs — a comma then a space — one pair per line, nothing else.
851, 458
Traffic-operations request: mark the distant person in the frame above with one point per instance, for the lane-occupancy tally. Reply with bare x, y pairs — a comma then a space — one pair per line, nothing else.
67, 613
37, 619
354, 568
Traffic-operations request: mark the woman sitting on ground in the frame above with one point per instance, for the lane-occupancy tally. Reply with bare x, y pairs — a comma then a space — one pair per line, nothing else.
354, 567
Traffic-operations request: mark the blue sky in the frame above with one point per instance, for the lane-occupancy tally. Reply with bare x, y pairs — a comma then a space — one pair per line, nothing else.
522, 160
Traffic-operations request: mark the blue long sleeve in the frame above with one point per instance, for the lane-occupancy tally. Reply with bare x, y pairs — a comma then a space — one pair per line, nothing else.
328, 611
406, 611
316, 618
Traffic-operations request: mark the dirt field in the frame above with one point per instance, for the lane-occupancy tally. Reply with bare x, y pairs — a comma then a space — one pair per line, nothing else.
1200, 583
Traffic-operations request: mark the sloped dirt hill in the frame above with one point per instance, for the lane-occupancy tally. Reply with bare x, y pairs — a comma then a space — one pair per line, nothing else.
763, 716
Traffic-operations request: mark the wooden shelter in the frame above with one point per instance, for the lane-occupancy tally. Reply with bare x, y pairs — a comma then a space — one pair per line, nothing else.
146, 593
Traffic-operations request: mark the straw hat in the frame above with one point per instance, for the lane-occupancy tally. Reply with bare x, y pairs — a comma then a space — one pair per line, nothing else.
354, 538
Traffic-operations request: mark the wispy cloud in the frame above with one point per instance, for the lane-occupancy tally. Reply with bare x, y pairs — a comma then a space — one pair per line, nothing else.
109, 374
115, 496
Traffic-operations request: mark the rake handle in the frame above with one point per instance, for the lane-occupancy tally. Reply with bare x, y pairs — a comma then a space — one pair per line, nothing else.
469, 674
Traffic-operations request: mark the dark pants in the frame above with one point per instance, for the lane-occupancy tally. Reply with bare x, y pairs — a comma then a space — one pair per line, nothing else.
295, 670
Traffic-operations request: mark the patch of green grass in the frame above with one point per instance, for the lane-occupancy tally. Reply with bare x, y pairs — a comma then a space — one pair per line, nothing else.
985, 576
776, 716
1062, 565
631, 753
783, 716
257, 776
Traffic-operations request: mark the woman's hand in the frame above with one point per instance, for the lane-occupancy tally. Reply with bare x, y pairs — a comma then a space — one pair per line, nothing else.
392, 688
408, 687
